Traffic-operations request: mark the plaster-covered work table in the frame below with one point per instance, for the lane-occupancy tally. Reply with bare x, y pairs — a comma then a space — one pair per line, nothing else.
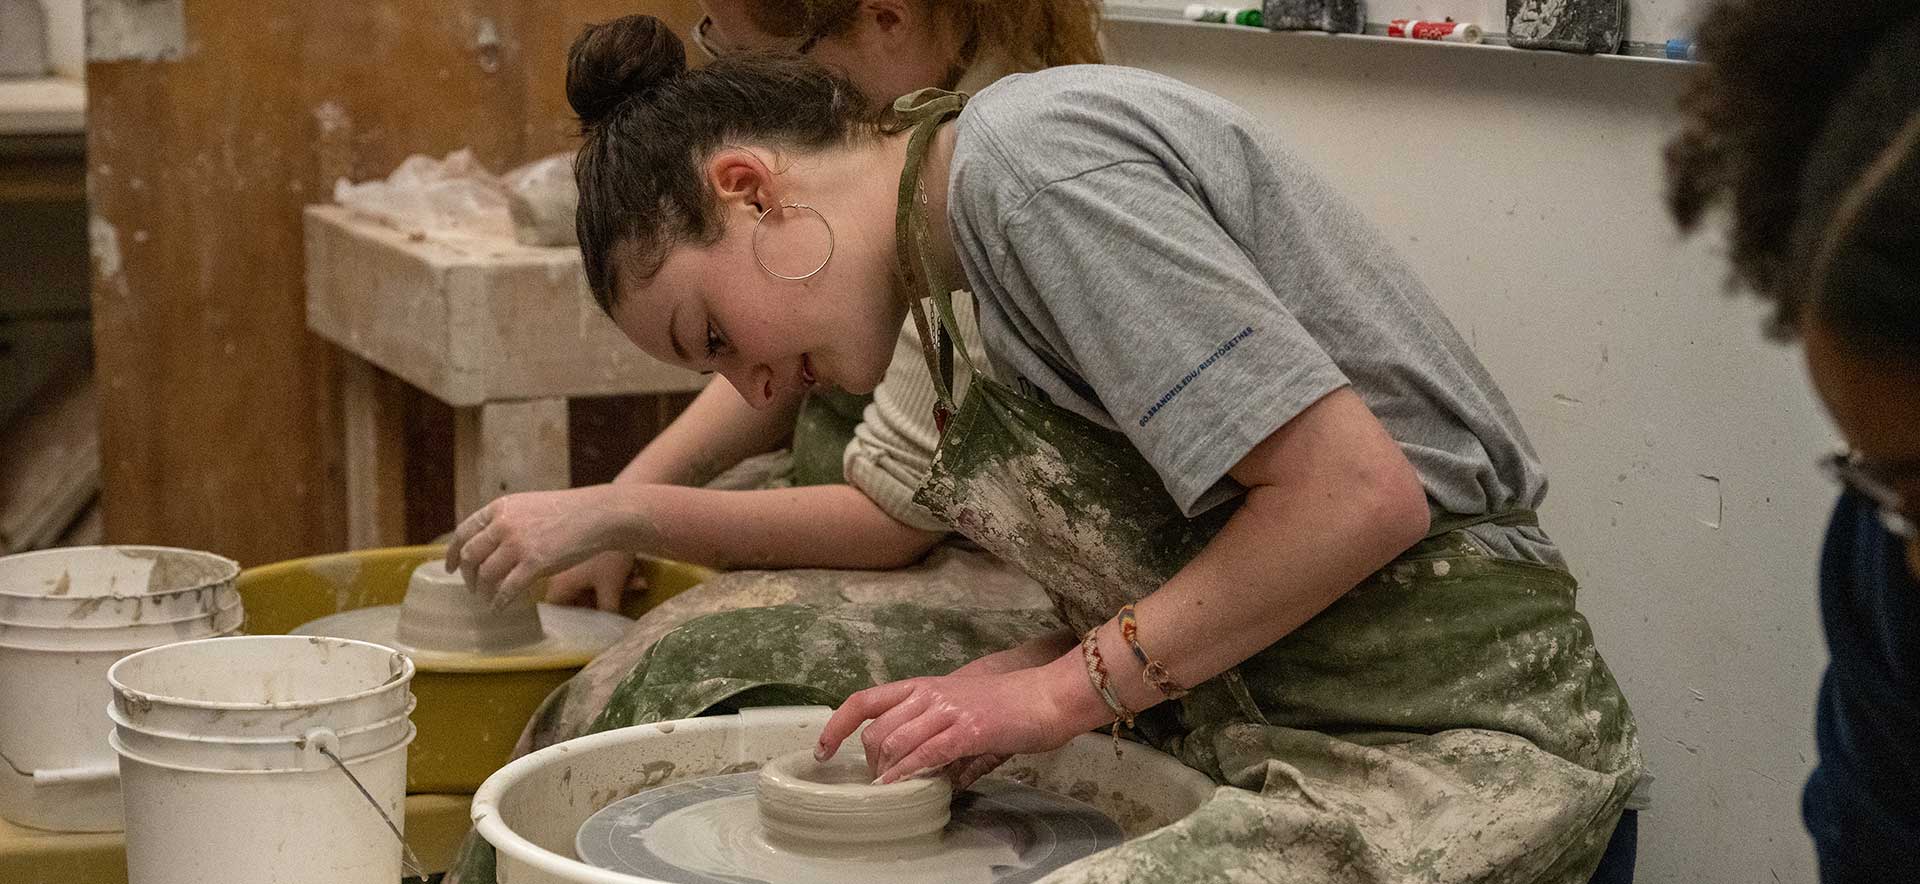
504, 333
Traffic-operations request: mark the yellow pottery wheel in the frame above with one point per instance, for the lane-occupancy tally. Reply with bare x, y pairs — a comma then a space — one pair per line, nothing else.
468, 720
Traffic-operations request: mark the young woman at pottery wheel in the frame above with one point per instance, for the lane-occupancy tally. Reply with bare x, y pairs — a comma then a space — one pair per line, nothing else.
1285, 515
842, 497
793, 521
860, 456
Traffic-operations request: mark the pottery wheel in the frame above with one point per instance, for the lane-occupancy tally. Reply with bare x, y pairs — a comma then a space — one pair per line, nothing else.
707, 831
573, 636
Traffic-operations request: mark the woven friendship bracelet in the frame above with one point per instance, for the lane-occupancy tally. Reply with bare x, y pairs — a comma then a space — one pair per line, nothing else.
1155, 673
1097, 673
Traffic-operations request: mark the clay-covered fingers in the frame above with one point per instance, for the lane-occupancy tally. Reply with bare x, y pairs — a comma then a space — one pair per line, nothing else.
858, 709
612, 574
874, 738
474, 553
608, 594
489, 574
604, 595
480, 553
518, 582
565, 588
936, 751
899, 742
595, 580
967, 771
464, 534
903, 742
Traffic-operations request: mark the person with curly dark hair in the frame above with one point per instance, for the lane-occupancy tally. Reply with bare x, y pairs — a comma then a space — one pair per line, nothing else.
1812, 145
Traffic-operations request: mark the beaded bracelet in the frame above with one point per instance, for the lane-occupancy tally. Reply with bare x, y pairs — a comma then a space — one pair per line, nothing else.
1155, 674
1097, 673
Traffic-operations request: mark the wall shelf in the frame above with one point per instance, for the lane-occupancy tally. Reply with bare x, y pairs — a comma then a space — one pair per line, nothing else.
1139, 13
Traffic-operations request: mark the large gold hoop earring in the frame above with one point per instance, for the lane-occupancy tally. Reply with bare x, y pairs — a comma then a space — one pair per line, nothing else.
756, 241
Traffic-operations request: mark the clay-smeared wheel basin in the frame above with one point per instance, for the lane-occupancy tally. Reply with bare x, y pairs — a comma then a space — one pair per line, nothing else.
680, 802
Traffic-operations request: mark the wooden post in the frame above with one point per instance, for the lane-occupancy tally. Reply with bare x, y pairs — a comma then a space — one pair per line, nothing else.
373, 415
506, 447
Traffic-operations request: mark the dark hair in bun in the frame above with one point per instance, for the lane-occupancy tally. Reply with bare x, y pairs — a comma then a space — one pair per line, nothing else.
1812, 144
650, 124
622, 59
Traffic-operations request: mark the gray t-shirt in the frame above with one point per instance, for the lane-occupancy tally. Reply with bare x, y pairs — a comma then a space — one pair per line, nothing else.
1145, 255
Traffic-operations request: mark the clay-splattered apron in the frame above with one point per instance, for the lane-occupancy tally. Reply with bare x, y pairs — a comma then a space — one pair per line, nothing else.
952, 577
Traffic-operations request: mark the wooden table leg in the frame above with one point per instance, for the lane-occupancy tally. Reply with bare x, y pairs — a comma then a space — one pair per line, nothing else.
376, 453
504, 447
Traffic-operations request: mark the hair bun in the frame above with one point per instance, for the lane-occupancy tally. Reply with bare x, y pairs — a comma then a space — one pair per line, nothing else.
612, 62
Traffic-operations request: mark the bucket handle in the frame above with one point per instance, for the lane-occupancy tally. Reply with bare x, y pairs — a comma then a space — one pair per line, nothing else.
97, 773
326, 742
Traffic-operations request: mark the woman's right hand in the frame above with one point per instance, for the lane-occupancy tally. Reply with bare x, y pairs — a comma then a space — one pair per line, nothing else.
1037, 651
600, 581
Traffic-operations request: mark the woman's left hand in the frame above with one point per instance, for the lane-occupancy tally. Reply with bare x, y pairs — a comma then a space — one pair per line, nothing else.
925, 724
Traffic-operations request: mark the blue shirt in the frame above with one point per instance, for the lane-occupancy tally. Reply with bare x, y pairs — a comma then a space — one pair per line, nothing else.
1862, 804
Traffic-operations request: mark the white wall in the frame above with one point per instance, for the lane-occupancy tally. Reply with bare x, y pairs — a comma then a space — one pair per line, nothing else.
1525, 187
66, 37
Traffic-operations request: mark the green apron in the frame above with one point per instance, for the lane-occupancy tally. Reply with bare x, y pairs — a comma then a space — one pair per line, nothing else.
1447, 720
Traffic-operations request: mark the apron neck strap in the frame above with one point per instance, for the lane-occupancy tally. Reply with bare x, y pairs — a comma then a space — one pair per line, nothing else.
926, 110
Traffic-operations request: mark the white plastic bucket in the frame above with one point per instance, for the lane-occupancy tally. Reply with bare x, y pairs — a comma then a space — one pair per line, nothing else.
228, 752
66, 615
111, 585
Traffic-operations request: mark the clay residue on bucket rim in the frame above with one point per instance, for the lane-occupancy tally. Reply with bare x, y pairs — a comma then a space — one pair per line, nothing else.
97, 572
86, 608
136, 704
175, 570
